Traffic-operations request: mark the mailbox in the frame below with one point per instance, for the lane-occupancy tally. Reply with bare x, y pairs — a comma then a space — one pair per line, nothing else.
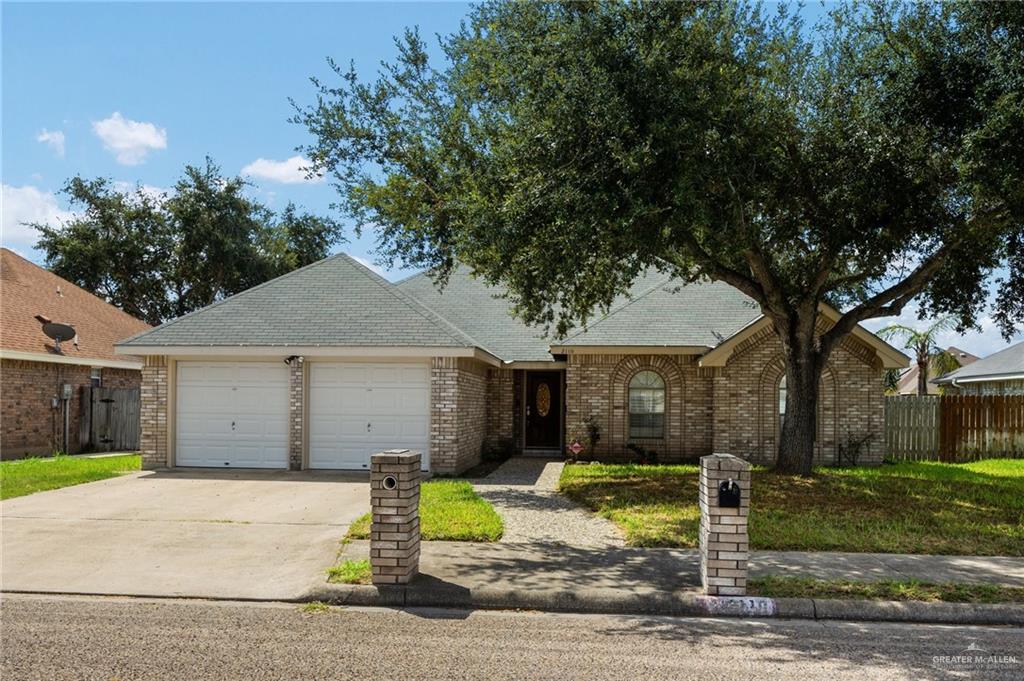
729, 494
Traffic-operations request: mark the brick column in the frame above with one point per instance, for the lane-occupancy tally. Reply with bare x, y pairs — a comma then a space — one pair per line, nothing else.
724, 546
296, 411
153, 413
395, 508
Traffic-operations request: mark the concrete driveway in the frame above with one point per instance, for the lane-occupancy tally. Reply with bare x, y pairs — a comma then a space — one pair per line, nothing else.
238, 534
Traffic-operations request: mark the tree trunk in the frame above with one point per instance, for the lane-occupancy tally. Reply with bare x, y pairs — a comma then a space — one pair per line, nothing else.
922, 379
800, 424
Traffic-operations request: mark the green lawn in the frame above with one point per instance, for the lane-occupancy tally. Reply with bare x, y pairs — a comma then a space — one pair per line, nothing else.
449, 510
350, 572
955, 509
25, 476
802, 587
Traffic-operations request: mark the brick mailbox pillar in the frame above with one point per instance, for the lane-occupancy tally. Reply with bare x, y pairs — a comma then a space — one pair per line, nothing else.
724, 506
395, 506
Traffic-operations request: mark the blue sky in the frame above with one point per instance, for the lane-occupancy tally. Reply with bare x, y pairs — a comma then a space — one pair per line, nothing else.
133, 92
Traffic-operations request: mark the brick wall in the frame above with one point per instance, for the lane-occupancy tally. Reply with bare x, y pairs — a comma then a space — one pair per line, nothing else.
731, 409
597, 385
30, 424
296, 411
851, 402
501, 410
458, 411
154, 399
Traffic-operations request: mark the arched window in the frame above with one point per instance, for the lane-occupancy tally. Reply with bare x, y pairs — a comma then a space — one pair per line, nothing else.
646, 405
782, 399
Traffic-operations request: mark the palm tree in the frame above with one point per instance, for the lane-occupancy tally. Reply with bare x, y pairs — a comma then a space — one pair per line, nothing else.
926, 351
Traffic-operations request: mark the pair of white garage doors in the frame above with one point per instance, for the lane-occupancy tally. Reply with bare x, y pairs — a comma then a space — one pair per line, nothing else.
236, 414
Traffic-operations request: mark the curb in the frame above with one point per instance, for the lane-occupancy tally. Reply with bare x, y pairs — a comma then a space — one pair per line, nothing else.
606, 601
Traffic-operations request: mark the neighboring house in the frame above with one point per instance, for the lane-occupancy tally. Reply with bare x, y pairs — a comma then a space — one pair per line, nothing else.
33, 373
325, 365
908, 378
998, 374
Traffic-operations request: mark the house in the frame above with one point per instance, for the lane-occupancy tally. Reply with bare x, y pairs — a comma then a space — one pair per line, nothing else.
999, 374
40, 386
330, 363
908, 379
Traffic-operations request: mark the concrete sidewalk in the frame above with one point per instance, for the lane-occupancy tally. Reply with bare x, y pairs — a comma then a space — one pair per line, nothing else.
562, 578
558, 566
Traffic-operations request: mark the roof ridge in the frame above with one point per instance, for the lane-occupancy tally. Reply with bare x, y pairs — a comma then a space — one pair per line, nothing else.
646, 292
217, 303
413, 303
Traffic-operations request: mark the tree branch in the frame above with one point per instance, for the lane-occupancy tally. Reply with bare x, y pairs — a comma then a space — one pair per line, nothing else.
716, 270
890, 301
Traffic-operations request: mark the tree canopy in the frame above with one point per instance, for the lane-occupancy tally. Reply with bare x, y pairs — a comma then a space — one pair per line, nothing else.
562, 148
161, 256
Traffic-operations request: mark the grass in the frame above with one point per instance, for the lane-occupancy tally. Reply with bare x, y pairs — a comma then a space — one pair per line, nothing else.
350, 572
314, 608
910, 507
27, 476
803, 587
449, 511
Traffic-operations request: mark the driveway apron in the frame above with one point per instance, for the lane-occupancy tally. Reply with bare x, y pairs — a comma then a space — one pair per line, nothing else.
206, 534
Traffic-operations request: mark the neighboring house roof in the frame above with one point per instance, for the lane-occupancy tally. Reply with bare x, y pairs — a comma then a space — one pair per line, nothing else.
27, 290
338, 302
908, 379
1005, 365
333, 302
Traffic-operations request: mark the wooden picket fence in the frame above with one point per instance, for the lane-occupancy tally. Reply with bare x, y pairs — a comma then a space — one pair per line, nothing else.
954, 427
109, 419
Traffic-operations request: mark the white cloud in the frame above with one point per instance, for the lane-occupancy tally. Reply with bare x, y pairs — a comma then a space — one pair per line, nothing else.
26, 205
156, 194
981, 343
130, 141
52, 138
289, 171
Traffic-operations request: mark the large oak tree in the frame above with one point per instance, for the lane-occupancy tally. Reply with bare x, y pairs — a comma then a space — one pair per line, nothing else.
562, 148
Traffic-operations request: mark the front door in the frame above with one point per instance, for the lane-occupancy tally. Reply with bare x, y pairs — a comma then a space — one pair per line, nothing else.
544, 409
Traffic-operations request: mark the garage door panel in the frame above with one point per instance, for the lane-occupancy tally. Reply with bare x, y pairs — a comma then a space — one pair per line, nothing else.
232, 414
393, 398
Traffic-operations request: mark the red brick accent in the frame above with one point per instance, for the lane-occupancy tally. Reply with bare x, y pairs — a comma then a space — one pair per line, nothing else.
30, 424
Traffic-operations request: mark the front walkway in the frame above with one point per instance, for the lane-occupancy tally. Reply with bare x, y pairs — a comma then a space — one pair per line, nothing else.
524, 493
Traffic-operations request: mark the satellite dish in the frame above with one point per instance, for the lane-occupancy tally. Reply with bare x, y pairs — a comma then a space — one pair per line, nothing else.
59, 332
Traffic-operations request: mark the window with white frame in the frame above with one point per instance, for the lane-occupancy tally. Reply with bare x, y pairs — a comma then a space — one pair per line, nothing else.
646, 405
96, 377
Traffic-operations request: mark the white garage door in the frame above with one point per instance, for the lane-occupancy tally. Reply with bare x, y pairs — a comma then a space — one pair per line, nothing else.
356, 410
232, 414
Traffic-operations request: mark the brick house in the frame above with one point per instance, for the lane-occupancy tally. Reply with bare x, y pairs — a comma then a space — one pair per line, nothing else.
330, 363
33, 373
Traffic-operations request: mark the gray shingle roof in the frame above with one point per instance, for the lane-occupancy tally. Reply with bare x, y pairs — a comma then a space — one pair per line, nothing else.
670, 313
339, 302
1005, 362
334, 302
471, 305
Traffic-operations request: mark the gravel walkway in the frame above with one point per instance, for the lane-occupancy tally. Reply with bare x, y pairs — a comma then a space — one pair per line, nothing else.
523, 492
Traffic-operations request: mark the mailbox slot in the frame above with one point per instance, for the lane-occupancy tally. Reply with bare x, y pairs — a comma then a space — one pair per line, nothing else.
729, 494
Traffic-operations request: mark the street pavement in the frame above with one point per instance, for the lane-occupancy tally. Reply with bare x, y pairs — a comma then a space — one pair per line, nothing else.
53, 637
